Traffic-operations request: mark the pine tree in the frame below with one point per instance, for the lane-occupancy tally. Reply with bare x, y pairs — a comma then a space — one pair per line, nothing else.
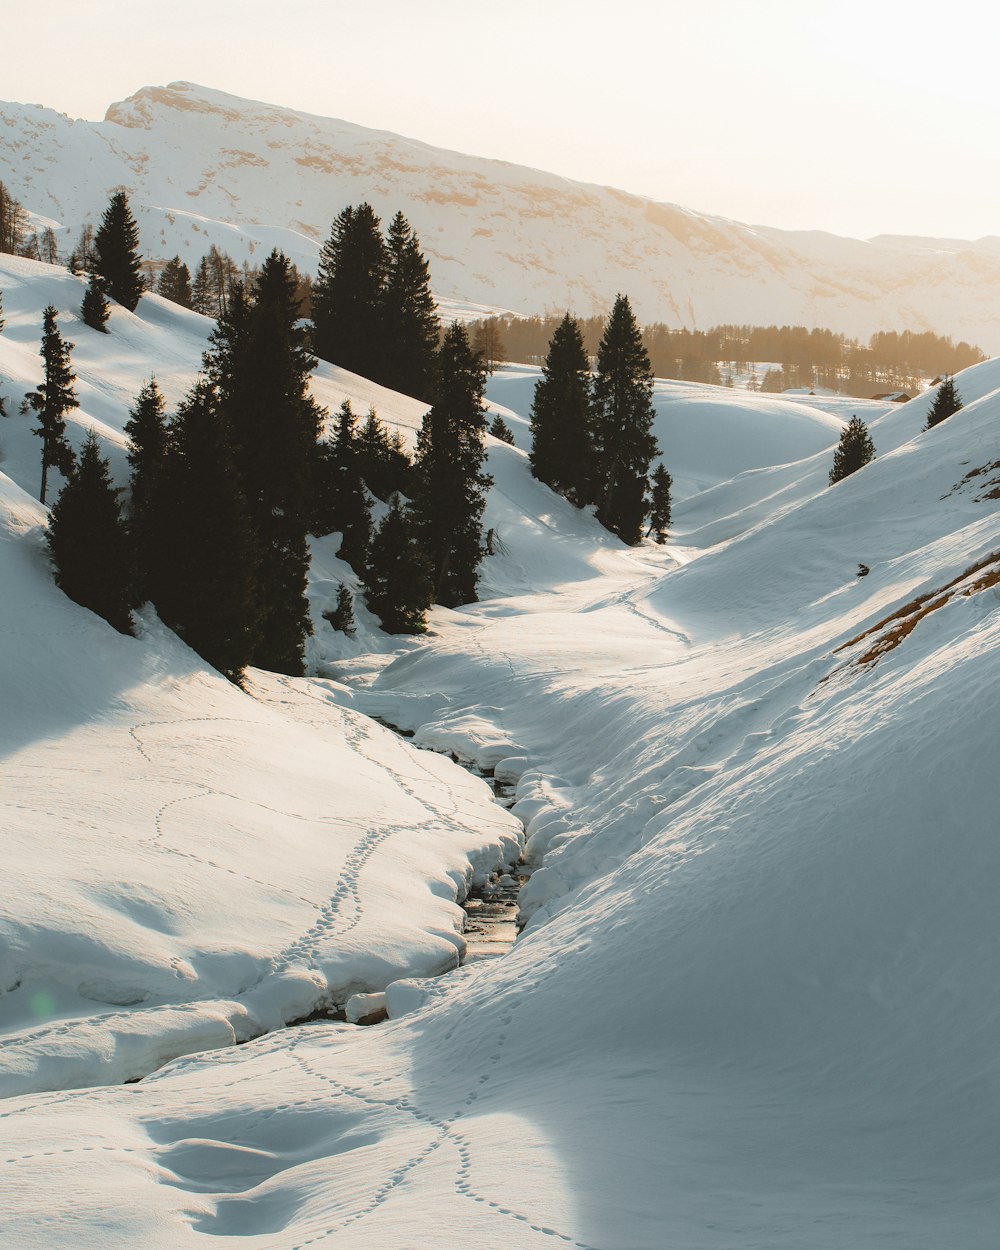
88, 542
261, 368
501, 430
95, 310
116, 253
175, 283
384, 463
853, 452
622, 424
341, 617
659, 508
450, 485
205, 586
148, 438
342, 498
397, 578
947, 402
347, 296
201, 295
561, 446
409, 327
53, 399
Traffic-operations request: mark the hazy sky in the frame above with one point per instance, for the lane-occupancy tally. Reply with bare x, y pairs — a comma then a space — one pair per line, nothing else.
857, 117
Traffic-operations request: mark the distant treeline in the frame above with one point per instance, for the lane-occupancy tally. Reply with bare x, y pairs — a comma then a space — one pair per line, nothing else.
890, 361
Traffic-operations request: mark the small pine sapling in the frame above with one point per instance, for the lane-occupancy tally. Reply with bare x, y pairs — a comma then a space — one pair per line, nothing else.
947, 402
95, 309
501, 430
341, 617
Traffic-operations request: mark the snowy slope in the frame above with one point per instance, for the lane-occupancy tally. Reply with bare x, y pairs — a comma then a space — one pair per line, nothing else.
203, 167
755, 1003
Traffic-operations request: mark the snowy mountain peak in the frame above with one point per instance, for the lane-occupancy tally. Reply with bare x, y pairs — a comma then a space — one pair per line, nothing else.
204, 167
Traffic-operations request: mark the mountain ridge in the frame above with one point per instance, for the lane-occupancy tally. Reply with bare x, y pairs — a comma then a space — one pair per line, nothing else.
202, 166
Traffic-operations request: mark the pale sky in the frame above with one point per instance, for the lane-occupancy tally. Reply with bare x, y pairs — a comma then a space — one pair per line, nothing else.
857, 117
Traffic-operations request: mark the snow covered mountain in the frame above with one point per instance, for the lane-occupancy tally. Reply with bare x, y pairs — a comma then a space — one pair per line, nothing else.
204, 167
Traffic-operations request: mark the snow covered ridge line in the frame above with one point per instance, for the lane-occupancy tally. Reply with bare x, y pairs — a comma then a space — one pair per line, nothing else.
202, 167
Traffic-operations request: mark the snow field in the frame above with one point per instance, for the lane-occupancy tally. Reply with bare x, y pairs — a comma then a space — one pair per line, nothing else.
755, 1000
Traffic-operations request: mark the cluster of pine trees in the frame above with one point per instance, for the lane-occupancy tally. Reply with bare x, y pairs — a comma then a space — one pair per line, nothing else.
224, 495
372, 307
889, 361
591, 435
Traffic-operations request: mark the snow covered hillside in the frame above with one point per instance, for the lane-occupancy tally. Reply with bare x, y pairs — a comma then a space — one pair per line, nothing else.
203, 167
755, 1001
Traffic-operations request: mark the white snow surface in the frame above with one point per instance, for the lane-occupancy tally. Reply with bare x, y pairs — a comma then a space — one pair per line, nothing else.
755, 1003
204, 167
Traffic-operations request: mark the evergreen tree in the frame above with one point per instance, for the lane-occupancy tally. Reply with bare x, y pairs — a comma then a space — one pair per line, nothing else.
397, 579
561, 447
853, 452
116, 253
205, 587
450, 485
659, 509
347, 296
343, 501
410, 328
384, 463
95, 310
201, 294
148, 438
947, 402
261, 368
501, 430
341, 618
622, 424
53, 399
175, 283
88, 542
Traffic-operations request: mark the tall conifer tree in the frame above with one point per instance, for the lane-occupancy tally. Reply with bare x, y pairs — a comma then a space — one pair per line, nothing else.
88, 542
622, 424
116, 253
148, 438
342, 498
175, 283
347, 296
410, 327
450, 491
561, 451
205, 589
261, 367
53, 399
397, 577
384, 463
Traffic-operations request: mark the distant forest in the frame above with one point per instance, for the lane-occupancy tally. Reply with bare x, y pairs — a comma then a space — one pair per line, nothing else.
889, 361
